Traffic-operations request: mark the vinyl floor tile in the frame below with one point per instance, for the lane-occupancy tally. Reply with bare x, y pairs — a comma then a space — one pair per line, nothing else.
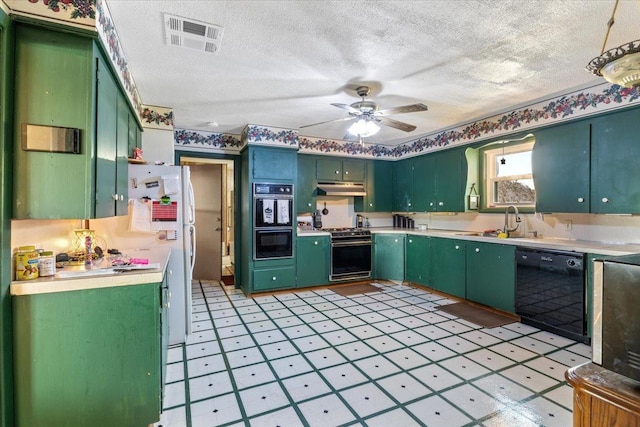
326, 411
263, 398
209, 385
473, 401
396, 418
464, 367
529, 378
403, 387
367, 399
252, 375
343, 376
434, 411
502, 389
377, 367
218, 410
306, 386
283, 417
325, 357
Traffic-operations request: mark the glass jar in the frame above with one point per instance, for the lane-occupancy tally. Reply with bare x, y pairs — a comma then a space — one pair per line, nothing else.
27, 263
47, 264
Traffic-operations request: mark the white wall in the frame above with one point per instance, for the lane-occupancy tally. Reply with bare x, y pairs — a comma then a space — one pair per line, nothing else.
157, 146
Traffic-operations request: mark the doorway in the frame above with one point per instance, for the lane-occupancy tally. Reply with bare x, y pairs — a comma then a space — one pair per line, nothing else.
214, 188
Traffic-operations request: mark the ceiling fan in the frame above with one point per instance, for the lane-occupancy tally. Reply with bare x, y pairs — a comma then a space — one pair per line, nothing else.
369, 115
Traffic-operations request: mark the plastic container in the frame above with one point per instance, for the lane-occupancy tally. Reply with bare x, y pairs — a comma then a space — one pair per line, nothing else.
27, 263
47, 264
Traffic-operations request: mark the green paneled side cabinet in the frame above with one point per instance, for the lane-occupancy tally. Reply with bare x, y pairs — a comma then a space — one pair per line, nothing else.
88, 357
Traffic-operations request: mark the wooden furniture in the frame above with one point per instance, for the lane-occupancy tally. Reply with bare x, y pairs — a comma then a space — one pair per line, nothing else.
603, 398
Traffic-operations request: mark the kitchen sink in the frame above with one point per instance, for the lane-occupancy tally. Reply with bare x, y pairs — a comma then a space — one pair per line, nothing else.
468, 234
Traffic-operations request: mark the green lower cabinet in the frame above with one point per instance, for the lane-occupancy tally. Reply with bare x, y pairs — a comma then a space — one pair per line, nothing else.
312, 260
448, 260
267, 276
88, 357
491, 274
389, 256
418, 265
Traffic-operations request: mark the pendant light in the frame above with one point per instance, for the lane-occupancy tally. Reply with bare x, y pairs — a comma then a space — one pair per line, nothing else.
620, 65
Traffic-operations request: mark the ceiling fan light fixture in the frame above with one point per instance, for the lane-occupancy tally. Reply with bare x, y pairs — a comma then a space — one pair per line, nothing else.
620, 65
364, 127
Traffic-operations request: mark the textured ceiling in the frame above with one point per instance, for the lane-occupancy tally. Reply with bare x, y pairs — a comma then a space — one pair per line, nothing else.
282, 63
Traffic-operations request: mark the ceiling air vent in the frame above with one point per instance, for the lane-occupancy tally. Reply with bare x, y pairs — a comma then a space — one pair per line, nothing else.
192, 34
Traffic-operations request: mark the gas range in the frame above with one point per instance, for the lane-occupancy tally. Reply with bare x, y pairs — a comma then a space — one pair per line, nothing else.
349, 233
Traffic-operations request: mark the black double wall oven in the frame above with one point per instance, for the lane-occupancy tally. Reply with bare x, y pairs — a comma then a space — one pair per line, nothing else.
273, 221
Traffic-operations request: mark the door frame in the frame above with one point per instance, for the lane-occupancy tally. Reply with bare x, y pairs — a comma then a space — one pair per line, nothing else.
191, 156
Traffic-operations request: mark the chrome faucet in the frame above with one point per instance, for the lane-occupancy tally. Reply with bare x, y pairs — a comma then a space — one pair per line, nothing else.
506, 219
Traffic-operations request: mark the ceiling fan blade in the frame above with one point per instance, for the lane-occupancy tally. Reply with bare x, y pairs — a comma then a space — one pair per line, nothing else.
349, 108
396, 124
413, 108
328, 121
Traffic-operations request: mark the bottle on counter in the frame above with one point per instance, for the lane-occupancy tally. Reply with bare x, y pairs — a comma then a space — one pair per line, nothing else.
47, 264
88, 251
26, 263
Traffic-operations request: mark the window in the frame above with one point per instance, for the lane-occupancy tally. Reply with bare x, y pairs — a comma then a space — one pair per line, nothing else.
508, 176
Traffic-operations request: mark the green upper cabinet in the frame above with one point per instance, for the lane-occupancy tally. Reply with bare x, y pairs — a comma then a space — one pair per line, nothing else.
312, 260
389, 256
273, 163
339, 170
306, 185
615, 150
379, 186
418, 259
491, 274
560, 165
53, 87
63, 80
451, 178
431, 182
112, 144
448, 261
403, 185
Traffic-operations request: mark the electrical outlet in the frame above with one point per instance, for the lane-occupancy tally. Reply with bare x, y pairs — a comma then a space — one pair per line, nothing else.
568, 225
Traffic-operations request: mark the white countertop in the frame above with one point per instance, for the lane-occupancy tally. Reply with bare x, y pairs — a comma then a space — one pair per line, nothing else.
586, 246
102, 275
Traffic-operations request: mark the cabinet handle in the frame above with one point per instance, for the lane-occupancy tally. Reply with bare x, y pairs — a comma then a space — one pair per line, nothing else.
431, 204
396, 240
370, 204
477, 249
273, 278
114, 197
580, 199
441, 204
337, 172
309, 204
346, 172
121, 197
410, 241
605, 200
315, 243
409, 204
457, 247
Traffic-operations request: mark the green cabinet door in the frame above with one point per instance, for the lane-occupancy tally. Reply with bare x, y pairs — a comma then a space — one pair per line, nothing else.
448, 266
389, 256
379, 187
560, 165
312, 260
122, 158
53, 87
273, 163
424, 184
403, 185
491, 274
615, 150
88, 357
306, 185
451, 179
329, 169
418, 260
353, 170
282, 277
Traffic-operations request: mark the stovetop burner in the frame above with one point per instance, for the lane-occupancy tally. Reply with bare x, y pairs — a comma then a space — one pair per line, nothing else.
348, 232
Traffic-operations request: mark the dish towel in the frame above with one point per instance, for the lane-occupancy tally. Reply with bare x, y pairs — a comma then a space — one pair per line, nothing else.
267, 211
283, 212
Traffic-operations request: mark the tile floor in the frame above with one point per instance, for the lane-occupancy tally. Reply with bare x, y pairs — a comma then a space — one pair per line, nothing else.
315, 358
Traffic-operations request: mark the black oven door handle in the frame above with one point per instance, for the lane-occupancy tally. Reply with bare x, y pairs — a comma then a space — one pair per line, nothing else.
351, 243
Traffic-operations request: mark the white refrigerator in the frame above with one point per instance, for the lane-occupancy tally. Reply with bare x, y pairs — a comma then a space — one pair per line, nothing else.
170, 225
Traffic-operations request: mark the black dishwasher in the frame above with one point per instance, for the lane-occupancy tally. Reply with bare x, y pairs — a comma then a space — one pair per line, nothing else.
550, 291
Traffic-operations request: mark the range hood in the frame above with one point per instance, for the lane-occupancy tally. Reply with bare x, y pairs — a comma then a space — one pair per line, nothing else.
341, 189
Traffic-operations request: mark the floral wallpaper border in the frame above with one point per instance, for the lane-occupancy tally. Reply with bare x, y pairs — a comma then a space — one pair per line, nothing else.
594, 100
110, 40
155, 117
207, 141
77, 13
263, 135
